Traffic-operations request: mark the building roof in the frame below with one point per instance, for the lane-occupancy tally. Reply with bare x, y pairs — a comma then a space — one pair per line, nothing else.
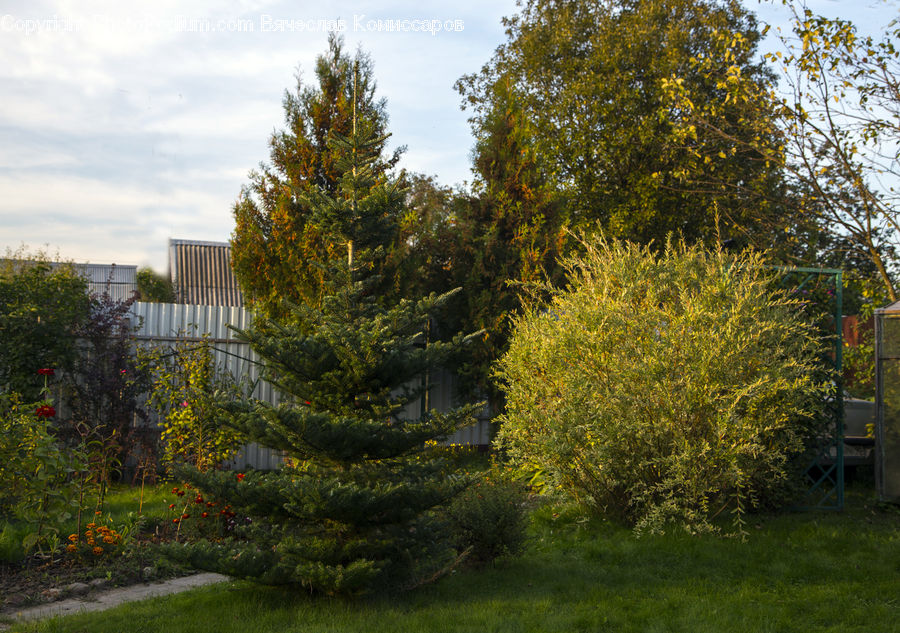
202, 274
119, 281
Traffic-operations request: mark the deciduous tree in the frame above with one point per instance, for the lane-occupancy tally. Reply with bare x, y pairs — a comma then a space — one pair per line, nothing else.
590, 79
835, 130
154, 287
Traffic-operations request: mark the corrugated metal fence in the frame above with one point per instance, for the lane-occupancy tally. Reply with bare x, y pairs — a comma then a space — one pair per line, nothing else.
167, 324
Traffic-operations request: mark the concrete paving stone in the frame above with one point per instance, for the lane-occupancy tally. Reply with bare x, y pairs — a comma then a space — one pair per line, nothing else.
100, 601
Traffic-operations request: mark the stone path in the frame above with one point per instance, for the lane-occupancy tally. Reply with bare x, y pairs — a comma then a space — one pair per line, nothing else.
100, 601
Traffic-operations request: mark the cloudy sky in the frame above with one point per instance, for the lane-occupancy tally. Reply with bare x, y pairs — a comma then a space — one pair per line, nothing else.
125, 124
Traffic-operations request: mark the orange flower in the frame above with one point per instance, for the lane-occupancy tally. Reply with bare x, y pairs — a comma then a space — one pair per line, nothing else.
109, 539
97, 551
73, 538
71, 548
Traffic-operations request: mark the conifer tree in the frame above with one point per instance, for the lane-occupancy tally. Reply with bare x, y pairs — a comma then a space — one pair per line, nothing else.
355, 503
276, 242
509, 231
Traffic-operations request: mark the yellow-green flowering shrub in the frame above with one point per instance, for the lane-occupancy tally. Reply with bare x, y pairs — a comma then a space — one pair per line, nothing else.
188, 391
657, 388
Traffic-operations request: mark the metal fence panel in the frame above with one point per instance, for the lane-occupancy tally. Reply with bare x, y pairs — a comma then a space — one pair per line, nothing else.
169, 323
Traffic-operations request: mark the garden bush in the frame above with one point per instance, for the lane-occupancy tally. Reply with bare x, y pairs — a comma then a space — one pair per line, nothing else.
42, 304
38, 491
187, 390
489, 519
104, 389
658, 388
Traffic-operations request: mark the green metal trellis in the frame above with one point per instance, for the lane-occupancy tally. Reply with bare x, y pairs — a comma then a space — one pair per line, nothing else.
824, 469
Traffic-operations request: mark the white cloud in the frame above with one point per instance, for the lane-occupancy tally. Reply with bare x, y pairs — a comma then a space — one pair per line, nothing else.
35, 157
93, 220
240, 121
132, 126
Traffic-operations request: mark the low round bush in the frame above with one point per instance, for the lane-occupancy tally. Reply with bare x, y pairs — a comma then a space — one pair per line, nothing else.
657, 388
489, 519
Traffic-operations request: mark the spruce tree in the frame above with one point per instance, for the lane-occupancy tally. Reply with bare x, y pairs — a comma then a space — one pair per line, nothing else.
276, 243
355, 503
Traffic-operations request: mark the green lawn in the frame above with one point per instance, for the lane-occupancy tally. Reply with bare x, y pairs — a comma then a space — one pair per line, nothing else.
797, 572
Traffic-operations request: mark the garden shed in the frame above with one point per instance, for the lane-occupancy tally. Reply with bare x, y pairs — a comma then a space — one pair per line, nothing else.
202, 274
887, 402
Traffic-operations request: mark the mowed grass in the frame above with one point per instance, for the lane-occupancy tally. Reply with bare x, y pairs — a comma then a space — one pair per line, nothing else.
815, 571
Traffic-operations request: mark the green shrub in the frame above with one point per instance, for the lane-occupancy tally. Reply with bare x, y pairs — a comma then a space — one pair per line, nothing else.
187, 390
489, 519
659, 388
103, 392
36, 471
41, 306
11, 550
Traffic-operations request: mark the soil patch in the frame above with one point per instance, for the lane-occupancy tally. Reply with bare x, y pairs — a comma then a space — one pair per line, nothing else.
40, 579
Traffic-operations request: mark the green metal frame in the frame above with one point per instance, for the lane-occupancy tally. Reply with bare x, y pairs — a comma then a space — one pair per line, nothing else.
824, 472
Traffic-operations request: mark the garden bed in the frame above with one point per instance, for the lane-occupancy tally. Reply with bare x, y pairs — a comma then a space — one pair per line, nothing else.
39, 579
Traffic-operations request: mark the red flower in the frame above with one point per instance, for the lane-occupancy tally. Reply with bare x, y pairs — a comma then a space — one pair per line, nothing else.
47, 371
204, 514
180, 493
171, 506
199, 499
175, 520
240, 476
45, 411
